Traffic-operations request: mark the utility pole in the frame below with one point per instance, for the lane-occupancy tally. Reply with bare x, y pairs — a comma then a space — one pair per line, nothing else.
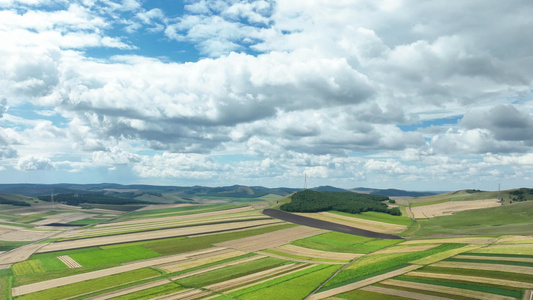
305, 181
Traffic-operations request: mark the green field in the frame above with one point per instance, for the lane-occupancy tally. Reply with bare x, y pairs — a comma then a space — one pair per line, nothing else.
342, 242
379, 217
231, 272
515, 218
92, 285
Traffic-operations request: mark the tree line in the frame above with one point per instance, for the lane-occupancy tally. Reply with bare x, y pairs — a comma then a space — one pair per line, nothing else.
354, 203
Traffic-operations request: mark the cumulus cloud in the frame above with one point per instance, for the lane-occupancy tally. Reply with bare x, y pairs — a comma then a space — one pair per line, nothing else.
34, 163
3, 106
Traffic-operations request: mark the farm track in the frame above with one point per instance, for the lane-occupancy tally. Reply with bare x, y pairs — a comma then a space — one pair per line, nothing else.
155, 234
325, 225
446, 290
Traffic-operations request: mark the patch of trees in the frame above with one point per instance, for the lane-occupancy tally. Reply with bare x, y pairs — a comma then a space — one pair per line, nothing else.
520, 194
77, 199
312, 201
13, 202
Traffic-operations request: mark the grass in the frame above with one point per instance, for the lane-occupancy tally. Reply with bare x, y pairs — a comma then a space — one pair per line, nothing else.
28, 267
500, 262
376, 264
231, 272
417, 204
87, 221
341, 242
88, 286
378, 217
508, 219
430, 293
8, 245
5, 283
113, 256
293, 286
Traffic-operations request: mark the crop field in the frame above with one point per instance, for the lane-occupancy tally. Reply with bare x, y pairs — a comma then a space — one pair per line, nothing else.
353, 221
234, 252
345, 243
451, 207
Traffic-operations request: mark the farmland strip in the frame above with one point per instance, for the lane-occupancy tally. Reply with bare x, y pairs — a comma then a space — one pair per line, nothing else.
152, 235
486, 257
231, 263
270, 239
251, 278
446, 290
300, 260
69, 261
130, 290
406, 294
47, 284
483, 266
297, 250
325, 225
475, 279
184, 295
362, 283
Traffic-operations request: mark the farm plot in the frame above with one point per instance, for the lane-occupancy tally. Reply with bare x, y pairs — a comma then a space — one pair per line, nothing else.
345, 243
451, 207
166, 222
88, 286
518, 249
447, 290
59, 282
312, 253
69, 262
156, 234
365, 224
294, 285
271, 239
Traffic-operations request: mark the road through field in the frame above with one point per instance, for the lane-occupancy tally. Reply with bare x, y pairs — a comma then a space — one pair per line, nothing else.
325, 225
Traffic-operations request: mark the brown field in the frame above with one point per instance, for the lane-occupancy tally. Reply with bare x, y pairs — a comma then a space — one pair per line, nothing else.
363, 283
271, 239
448, 208
503, 282
301, 251
155, 234
486, 267
357, 223
27, 235
63, 218
400, 293
447, 290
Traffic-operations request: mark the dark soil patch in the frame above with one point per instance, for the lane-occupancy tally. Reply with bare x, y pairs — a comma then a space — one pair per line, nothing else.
278, 214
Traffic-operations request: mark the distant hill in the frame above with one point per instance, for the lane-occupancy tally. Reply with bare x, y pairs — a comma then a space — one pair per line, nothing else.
328, 188
393, 192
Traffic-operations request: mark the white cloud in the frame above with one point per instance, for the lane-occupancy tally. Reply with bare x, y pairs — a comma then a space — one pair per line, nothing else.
33, 163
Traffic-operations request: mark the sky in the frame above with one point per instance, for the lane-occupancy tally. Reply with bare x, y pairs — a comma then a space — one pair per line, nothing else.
413, 95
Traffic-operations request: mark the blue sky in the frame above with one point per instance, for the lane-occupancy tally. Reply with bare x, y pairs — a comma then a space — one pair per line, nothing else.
384, 94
